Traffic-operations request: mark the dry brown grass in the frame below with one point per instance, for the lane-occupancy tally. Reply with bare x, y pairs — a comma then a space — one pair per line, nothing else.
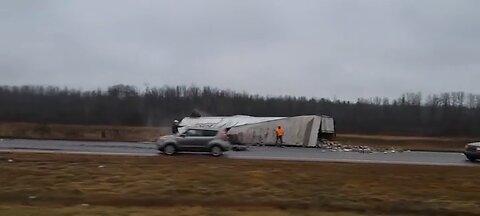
80, 132
161, 211
140, 184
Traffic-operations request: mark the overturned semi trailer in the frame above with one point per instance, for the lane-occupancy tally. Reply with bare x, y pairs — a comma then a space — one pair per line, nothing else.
299, 130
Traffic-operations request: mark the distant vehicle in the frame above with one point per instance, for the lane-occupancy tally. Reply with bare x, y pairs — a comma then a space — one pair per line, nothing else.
209, 140
472, 151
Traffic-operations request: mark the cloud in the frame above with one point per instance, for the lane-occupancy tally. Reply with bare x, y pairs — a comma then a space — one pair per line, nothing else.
344, 49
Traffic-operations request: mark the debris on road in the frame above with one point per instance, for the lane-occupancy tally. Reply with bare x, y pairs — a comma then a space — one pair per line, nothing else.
84, 205
335, 146
101, 166
32, 197
10, 160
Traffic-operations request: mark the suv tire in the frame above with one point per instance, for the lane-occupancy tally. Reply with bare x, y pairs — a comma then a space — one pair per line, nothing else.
216, 151
169, 149
472, 159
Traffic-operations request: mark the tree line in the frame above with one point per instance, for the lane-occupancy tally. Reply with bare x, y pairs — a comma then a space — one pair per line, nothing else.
446, 114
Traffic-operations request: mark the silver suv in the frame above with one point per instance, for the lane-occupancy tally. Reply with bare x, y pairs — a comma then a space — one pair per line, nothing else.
195, 140
472, 151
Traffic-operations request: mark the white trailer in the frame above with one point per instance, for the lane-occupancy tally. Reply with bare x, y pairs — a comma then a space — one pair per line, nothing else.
299, 130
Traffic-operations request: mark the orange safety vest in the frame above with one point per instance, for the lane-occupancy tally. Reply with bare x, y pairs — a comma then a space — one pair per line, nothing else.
279, 131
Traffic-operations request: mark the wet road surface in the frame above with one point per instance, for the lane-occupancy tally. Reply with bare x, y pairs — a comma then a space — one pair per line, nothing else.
268, 153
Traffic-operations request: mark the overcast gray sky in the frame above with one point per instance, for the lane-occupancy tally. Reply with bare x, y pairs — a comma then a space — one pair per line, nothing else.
320, 48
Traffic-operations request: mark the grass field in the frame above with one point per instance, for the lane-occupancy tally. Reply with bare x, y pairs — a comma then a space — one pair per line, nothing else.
163, 211
80, 132
44, 184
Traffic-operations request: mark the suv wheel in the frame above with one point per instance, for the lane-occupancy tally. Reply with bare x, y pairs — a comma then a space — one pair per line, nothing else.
169, 149
471, 158
216, 151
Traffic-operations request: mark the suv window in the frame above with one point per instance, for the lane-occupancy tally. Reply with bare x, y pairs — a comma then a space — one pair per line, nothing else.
193, 132
209, 133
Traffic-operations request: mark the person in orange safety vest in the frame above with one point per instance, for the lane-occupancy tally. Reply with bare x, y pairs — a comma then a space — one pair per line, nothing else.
279, 132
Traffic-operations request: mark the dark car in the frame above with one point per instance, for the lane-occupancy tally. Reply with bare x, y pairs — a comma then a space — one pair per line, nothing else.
195, 140
472, 151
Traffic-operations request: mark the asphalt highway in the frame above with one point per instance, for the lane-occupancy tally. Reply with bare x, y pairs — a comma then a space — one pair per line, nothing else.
263, 153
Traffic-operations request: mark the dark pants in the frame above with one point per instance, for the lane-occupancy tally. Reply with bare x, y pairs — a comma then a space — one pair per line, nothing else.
279, 138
